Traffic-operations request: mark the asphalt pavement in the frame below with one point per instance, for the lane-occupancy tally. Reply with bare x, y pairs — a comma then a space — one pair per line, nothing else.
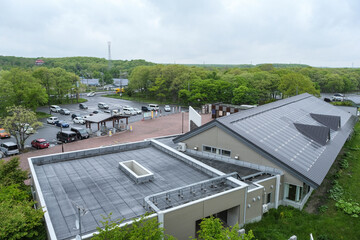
49, 131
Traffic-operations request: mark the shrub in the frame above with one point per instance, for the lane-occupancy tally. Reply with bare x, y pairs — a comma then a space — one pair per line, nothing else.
323, 208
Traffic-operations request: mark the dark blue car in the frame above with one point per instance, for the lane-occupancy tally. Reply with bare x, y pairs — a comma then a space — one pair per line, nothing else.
62, 123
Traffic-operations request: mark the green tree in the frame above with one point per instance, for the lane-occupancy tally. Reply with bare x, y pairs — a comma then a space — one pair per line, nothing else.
212, 229
11, 174
141, 228
295, 83
17, 122
18, 219
19, 87
245, 95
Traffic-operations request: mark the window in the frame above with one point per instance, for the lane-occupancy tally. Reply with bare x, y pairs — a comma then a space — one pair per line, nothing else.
225, 153
219, 151
293, 192
268, 198
207, 149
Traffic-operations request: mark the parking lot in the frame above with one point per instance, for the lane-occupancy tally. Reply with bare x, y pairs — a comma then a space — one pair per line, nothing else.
49, 131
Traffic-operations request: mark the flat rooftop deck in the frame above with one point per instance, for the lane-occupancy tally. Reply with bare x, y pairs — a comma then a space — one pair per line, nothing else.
97, 184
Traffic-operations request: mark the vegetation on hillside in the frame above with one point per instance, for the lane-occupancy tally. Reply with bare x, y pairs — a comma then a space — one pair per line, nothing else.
256, 85
87, 67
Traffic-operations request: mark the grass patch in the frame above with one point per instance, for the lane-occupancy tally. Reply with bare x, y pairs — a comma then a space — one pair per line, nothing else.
72, 101
333, 222
41, 115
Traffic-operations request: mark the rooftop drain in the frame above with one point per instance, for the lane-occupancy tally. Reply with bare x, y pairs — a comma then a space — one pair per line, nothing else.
136, 172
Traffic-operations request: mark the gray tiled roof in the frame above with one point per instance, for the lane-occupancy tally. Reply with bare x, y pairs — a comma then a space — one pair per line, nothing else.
270, 130
97, 184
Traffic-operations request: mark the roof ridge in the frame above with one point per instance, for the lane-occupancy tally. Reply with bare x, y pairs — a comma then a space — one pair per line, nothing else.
272, 108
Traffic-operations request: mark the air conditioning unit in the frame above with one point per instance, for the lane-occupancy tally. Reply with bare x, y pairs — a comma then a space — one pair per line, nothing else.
181, 147
265, 208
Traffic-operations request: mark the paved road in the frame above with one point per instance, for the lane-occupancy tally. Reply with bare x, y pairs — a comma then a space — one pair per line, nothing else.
49, 131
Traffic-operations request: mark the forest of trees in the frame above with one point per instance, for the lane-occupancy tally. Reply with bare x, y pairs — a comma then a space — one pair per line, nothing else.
87, 67
255, 85
57, 78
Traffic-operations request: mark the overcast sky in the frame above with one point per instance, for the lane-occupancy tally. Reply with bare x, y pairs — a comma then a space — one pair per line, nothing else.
314, 32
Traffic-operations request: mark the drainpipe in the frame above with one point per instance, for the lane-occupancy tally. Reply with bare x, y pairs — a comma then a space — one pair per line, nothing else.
246, 191
161, 219
277, 191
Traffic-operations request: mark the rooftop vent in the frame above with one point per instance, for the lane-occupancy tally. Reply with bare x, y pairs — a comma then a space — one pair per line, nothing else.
333, 122
136, 172
320, 134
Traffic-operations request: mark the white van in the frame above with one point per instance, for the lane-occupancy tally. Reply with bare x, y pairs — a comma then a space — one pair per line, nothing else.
154, 107
54, 108
129, 111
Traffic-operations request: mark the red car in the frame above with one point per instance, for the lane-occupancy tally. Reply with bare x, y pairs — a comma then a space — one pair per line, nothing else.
40, 143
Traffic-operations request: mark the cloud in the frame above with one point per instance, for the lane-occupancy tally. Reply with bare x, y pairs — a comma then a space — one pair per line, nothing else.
319, 33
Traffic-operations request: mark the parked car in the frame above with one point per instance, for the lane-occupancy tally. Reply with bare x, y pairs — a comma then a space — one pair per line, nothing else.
138, 111
52, 120
153, 107
28, 129
62, 123
102, 105
95, 112
9, 148
64, 111
74, 115
81, 133
337, 98
129, 111
4, 134
83, 106
66, 136
167, 108
40, 143
145, 109
107, 111
79, 120
55, 108
91, 94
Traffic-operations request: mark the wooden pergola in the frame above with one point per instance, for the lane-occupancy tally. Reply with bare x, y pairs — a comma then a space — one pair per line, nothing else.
101, 119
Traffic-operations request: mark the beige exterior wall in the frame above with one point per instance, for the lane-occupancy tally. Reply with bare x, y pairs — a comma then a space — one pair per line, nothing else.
267, 189
181, 222
254, 208
216, 137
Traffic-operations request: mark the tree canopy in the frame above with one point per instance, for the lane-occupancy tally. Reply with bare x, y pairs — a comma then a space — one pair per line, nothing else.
18, 219
18, 120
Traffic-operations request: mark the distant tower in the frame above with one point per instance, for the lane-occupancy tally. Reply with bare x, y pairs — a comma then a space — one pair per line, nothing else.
109, 51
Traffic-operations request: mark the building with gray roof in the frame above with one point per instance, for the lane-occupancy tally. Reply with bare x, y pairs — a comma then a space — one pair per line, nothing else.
235, 167
156, 179
300, 136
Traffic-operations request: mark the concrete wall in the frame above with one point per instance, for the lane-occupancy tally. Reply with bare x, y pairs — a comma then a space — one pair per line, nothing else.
180, 222
254, 204
269, 185
216, 137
